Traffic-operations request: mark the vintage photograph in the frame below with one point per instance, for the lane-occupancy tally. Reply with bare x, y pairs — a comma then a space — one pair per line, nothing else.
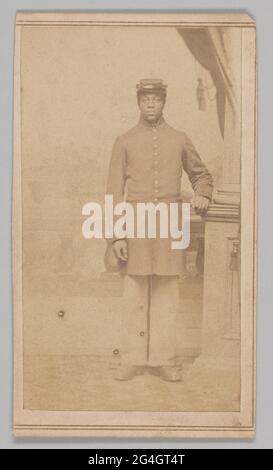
134, 224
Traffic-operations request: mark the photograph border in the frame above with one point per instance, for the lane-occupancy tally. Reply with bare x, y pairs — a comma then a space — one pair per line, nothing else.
149, 424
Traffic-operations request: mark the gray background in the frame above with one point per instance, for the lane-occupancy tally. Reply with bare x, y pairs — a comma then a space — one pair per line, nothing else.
262, 12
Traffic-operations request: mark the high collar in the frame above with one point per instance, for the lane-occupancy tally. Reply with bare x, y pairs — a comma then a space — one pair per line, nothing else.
151, 125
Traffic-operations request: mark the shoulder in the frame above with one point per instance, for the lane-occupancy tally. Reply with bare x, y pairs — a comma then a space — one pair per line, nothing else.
177, 133
128, 134
122, 139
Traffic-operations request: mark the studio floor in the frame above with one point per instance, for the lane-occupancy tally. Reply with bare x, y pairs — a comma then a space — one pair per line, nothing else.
86, 383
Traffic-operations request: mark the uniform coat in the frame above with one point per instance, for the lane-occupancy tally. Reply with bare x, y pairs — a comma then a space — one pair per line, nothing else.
147, 164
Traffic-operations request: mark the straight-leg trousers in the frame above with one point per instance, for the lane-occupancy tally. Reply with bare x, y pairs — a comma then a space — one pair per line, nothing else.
149, 320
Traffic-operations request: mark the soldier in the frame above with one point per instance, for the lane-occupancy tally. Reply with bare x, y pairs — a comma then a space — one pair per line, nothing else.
146, 165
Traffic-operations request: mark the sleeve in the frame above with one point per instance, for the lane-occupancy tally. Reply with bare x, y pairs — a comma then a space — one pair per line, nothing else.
117, 171
199, 176
117, 175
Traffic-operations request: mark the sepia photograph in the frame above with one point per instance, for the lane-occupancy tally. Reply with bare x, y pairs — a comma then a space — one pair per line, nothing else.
134, 225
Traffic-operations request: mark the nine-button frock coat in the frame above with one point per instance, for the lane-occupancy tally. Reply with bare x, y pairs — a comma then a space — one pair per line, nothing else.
146, 166
149, 161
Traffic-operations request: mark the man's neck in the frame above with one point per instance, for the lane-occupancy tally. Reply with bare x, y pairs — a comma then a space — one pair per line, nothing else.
146, 123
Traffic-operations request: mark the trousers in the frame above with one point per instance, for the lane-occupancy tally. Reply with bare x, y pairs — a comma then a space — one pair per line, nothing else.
149, 320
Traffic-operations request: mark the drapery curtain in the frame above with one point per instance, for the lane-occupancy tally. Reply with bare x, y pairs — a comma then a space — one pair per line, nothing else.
209, 47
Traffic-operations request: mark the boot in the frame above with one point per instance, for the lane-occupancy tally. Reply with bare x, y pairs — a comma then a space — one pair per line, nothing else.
170, 374
125, 372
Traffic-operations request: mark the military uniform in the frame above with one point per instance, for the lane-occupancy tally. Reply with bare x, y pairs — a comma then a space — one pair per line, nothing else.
147, 164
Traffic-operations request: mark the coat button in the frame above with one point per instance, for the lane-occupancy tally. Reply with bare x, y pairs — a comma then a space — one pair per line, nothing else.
116, 352
142, 333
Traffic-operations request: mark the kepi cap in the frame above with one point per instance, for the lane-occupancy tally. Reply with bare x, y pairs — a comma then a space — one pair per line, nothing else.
151, 85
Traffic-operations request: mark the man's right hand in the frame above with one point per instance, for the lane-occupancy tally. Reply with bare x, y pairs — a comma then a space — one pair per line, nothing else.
120, 250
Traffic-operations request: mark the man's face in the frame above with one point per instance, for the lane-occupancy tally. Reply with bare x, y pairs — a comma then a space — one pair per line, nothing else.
151, 106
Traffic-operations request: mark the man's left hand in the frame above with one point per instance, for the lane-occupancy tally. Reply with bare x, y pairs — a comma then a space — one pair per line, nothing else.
200, 204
